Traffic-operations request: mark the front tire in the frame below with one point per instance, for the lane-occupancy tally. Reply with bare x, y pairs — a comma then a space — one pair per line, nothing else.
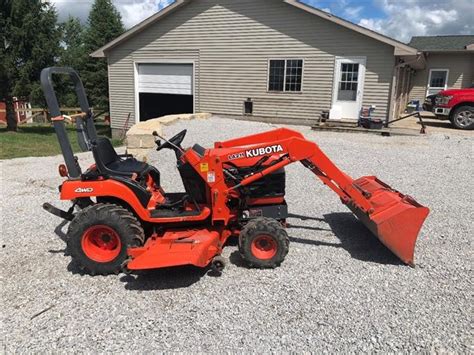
99, 236
463, 117
263, 243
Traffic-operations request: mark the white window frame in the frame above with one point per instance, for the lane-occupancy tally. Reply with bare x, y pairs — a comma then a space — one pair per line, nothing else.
137, 62
284, 91
429, 80
361, 80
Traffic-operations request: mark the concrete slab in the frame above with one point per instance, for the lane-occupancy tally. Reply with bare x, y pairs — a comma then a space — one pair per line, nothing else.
433, 125
381, 132
140, 139
406, 127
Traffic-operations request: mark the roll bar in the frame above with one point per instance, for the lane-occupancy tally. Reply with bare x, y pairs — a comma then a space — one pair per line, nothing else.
86, 133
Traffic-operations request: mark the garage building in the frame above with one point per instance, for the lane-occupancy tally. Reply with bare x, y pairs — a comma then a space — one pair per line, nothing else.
271, 60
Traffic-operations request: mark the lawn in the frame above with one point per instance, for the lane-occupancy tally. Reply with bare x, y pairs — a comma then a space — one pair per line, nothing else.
38, 140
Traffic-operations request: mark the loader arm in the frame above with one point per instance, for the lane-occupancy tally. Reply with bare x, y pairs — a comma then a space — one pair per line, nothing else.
297, 148
394, 218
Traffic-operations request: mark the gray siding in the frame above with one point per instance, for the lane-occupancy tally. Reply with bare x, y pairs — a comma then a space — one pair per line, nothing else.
231, 43
461, 72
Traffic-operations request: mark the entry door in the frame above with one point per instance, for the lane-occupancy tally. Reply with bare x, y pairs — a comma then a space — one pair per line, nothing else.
348, 87
437, 81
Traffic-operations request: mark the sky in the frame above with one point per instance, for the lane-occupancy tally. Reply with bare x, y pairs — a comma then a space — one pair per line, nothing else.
399, 19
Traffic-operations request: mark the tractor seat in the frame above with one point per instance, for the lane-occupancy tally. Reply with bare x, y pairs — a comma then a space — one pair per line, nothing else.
108, 162
128, 165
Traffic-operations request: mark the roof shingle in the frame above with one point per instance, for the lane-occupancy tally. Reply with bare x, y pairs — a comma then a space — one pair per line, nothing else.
441, 43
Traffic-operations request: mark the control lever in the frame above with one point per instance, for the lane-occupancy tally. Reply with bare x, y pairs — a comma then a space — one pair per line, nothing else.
157, 139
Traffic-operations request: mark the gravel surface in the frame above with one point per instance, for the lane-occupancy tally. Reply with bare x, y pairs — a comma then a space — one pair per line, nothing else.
339, 289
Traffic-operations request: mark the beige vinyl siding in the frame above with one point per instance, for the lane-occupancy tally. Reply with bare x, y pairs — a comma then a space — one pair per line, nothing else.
231, 43
461, 72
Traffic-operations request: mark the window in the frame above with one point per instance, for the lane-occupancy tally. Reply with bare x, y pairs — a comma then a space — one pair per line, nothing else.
285, 75
438, 78
248, 106
348, 81
437, 81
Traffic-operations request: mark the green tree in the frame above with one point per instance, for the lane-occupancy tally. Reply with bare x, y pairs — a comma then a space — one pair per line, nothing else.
72, 43
29, 42
104, 24
72, 55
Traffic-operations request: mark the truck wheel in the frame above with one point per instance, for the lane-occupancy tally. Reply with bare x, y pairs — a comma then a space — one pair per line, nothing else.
463, 117
99, 235
263, 243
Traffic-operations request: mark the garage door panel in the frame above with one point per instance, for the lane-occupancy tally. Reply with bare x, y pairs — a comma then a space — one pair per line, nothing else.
173, 69
163, 88
165, 78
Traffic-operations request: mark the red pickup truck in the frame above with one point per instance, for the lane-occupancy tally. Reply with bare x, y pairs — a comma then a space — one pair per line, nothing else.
457, 105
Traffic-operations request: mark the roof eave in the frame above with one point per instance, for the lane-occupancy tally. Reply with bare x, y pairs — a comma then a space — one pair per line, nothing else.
399, 47
101, 52
448, 50
400, 51
416, 62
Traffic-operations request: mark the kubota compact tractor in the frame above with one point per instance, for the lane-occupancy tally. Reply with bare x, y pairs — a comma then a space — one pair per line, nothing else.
123, 219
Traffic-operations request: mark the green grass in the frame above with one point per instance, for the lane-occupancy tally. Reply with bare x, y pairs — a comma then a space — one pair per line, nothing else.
39, 140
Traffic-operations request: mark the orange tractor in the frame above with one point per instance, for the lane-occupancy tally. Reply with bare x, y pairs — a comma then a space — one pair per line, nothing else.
123, 220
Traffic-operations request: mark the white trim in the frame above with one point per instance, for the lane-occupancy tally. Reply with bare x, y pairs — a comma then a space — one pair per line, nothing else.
399, 47
360, 82
284, 77
100, 53
136, 63
136, 93
428, 87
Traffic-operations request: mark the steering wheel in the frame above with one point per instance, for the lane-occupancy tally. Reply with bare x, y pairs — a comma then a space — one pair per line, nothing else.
174, 143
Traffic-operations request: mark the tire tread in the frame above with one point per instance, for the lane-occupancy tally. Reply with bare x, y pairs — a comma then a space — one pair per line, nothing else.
120, 219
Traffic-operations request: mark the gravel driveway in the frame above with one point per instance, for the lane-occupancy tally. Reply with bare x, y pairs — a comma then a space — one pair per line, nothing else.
338, 290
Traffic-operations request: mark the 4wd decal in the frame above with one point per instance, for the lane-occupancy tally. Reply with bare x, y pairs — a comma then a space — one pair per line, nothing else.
83, 190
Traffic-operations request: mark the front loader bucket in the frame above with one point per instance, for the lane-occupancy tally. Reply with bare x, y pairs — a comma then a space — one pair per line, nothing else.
395, 219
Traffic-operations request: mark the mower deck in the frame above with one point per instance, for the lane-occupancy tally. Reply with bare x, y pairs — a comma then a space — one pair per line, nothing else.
181, 247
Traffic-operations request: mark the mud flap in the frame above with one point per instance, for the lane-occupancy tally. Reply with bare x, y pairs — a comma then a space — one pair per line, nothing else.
394, 218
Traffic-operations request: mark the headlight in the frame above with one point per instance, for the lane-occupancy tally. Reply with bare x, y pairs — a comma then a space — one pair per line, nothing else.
443, 100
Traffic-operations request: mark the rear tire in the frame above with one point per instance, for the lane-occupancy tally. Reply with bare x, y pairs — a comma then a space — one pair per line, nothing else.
463, 117
263, 243
99, 236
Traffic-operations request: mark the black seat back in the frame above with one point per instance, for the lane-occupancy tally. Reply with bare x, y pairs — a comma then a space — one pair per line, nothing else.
104, 154
193, 183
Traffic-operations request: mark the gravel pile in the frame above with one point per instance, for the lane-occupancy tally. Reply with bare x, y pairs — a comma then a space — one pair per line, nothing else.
338, 290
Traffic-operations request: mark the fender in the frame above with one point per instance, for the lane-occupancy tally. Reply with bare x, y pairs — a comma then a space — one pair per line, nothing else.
72, 189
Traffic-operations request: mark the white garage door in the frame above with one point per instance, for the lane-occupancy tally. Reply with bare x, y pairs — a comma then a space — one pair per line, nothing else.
165, 78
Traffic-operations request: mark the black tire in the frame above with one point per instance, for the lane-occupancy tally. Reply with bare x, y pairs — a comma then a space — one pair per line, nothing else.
125, 231
263, 243
460, 117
